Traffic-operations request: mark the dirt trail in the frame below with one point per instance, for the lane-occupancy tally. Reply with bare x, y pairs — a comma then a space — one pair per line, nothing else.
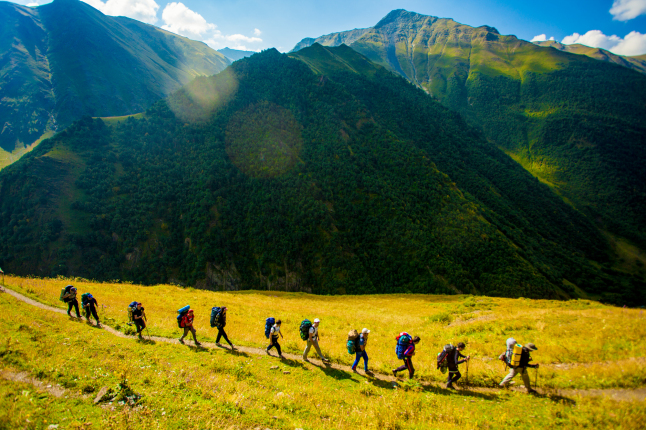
628, 394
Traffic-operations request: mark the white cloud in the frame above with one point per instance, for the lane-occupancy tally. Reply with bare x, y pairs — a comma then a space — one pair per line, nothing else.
256, 32
181, 20
633, 44
624, 10
242, 38
141, 10
541, 38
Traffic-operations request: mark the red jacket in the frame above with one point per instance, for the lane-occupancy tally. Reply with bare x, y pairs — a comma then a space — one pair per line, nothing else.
187, 320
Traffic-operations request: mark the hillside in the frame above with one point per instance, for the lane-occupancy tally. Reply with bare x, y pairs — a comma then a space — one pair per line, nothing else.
269, 176
64, 60
637, 63
581, 377
577, 124
235, 54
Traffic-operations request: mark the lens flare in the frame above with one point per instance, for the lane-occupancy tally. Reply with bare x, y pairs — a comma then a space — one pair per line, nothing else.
264, 140
204, 95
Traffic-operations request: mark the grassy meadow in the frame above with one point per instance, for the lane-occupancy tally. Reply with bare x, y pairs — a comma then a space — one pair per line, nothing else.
581, 344
189, 388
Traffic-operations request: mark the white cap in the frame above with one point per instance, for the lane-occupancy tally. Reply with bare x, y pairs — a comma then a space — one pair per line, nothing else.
365, 330
317, 320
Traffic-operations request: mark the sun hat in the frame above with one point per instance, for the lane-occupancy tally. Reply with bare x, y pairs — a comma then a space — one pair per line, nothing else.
317, 320
531, 347
365, 330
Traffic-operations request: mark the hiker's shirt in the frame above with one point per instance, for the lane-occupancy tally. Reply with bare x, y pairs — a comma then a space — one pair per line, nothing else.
222, 320
137, 314
91, 303
410, 350
188, 321
274, 333
70, 297
362, 342
525, 358
454, 359
315, 333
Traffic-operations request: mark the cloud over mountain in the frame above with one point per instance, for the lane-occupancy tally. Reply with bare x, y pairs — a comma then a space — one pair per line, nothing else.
633, 44
141, 10
624, 10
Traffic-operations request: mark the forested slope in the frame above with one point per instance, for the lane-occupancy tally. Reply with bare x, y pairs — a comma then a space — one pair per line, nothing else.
65, 59
577, 123
270, 176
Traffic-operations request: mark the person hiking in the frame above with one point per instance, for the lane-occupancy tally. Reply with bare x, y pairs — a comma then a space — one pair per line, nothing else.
361, 352
89, 304
273, 338
187, 323
70, 299
313, 339
220, 324
408, 359
521, 369
139, 318
453, 360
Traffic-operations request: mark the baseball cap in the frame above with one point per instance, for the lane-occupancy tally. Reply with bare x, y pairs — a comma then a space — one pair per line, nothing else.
317, 320
365, 330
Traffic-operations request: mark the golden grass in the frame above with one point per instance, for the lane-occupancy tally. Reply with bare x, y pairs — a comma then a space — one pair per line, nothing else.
577, 331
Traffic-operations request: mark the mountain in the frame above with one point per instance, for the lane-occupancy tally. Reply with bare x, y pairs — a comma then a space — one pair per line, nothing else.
271, 176
576, 123
65, 59
637, 63
235, 54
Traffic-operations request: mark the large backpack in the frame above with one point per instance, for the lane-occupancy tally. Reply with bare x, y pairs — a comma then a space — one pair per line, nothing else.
304, 329
353, 342
516, 354
181, 313
269, 323
131, 307
403, 340
85, 298
443, 358
65, 291
215, 316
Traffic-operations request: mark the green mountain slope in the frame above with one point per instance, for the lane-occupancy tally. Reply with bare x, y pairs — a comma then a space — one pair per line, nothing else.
270, 176
70, 60
576, 123
637, 63
235, 54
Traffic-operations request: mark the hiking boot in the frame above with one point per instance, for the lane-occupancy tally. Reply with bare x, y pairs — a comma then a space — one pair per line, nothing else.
354, 370
306, 360
140, 336
267, 352
218, 344
181, 340
197, 343
281, 357
450, 386
233, 348
394, 373
531, 391
325, 360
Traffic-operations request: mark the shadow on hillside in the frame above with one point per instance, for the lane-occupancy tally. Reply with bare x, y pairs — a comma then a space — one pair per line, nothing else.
337, 374
146, 341
291, 363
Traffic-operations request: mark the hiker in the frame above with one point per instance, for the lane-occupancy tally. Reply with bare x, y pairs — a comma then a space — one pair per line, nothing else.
220, 323
187, 324
510, 357
361, 352
273, 338
453, 359
70, 298
313, 339
408, 358
139, 318
89, 304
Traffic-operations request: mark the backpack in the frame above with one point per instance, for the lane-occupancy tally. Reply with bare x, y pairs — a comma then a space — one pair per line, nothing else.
403, 340
442, 358
269, 323
131, 307
215, 316
516, 353
65, 291
353, 342
85, 298
182, 313
304, 329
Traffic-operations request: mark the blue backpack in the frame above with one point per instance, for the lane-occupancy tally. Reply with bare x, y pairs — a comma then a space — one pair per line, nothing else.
269, 323
181, 313
403, 340
215, 316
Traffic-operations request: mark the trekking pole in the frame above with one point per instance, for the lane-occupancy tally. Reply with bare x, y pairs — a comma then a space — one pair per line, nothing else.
467, 373
536, 380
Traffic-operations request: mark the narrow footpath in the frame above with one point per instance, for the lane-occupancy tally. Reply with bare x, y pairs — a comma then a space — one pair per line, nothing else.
621, 394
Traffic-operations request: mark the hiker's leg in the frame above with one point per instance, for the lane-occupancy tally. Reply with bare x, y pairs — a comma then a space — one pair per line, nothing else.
277, 345
192, 330
307, 349
411, 369
271, 345
356, 360
217, 340
365, 361
69, 307
184, 334
94, 314
509, 377
222, 333
402, 367
76, 308
449, 378
457, 375
318, 349
525, 375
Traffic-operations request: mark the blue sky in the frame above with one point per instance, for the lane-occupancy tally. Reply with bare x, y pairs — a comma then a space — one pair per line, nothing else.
617, 25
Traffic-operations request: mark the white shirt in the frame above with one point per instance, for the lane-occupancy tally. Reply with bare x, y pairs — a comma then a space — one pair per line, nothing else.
275, 330
314, 332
